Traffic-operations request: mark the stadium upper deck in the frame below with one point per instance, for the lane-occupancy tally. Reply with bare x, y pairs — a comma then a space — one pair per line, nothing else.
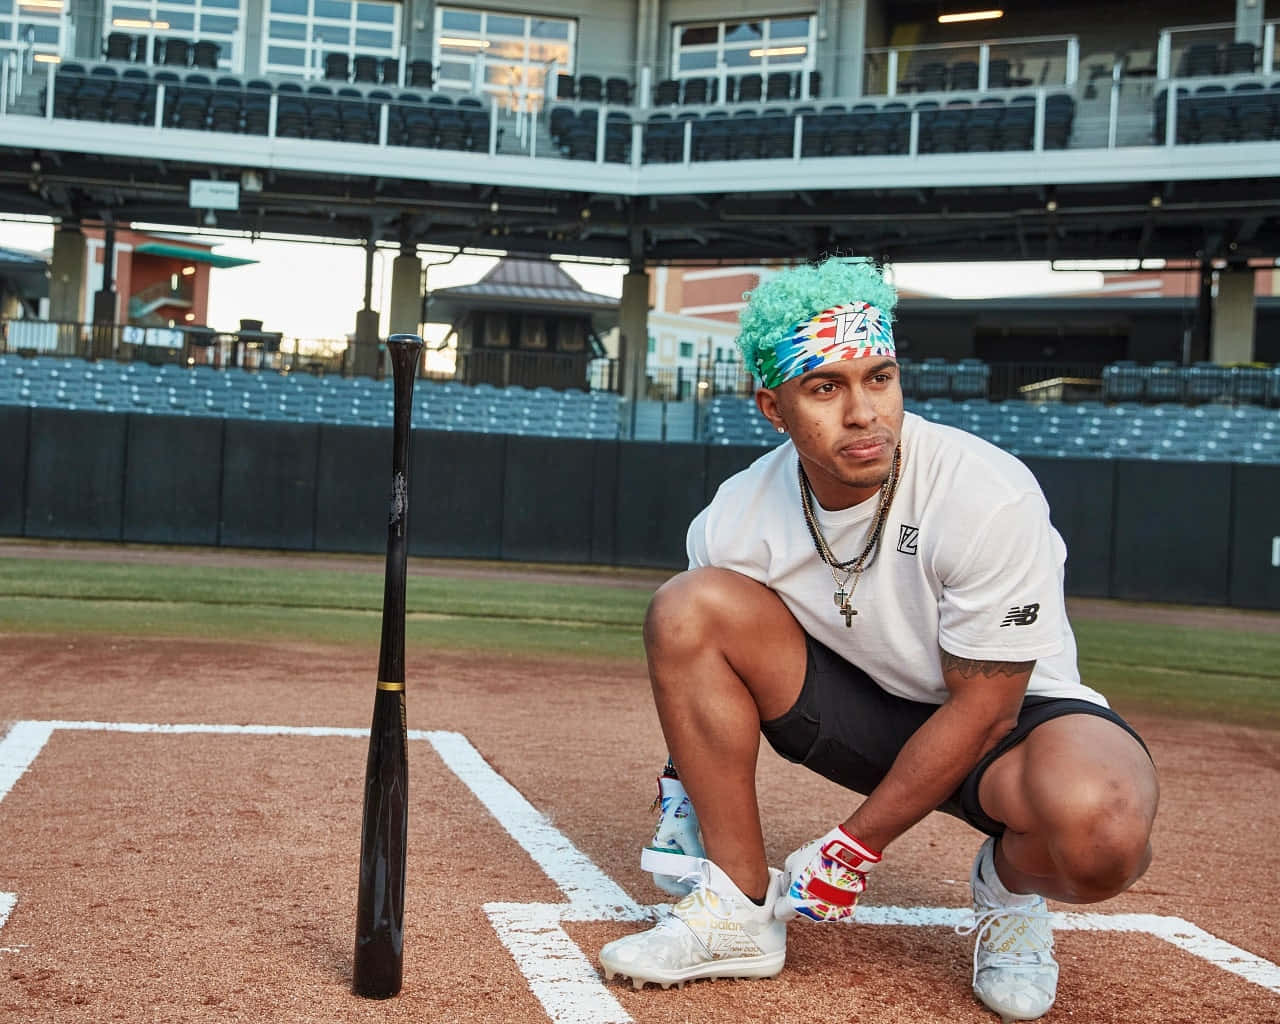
675, 131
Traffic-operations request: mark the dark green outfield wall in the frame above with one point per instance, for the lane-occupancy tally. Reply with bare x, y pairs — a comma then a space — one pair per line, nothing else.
1201, 533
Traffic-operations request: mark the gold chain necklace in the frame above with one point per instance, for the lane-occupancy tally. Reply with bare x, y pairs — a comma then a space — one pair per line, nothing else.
853, 568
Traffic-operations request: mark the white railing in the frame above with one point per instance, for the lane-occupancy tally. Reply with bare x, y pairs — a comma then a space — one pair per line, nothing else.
884, 67
1174, 42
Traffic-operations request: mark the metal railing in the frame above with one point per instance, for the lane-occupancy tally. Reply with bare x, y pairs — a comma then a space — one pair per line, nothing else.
1018, 63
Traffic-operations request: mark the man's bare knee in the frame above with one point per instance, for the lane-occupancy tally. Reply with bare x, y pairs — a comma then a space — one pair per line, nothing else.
693, 608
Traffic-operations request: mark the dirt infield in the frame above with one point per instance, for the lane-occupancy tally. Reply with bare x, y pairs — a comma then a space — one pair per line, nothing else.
209, 874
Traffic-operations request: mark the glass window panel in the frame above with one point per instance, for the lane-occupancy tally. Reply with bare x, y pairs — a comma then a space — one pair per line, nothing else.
542, 28
501, 25
454, 70
6, 29
545, 52
374, 37
376, 14
499, 74
288, 6
337, 35
460, 21
179, 21
288, 55
45, 33
740, 58
138, 13
743, 31
172, 3
699, 35
340, 9
698, 60
286, 29
508, 49
220, 23
227, 4
789, 28
6, 7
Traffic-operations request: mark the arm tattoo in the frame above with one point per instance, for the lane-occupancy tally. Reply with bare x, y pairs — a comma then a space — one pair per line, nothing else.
967, 668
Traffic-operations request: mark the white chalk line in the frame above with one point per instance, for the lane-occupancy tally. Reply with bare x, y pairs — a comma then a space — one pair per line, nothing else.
564, 980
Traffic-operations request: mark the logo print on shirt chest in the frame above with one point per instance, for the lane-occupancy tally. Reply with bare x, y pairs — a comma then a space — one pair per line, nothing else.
907, 538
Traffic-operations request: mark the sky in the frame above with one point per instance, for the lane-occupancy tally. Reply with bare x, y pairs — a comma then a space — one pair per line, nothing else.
313, 290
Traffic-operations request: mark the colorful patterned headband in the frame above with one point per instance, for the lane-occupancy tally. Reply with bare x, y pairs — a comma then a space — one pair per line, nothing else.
851, 331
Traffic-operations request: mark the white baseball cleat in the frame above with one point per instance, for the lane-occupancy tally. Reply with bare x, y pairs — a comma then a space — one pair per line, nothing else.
714, 932
1014, 972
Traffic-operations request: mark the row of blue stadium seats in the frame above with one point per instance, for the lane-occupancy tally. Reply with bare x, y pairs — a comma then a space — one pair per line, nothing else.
1204, 433
864, 129
1166, 381
1248, 112
196, 101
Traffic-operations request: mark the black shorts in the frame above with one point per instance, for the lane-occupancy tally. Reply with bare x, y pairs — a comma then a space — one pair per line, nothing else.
847, 729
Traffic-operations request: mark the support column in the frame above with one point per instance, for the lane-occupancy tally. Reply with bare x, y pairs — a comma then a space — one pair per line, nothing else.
67, 274
1249, 21
365, 347
1234, 316
633, 323
405, 315
104, 300
1197, 349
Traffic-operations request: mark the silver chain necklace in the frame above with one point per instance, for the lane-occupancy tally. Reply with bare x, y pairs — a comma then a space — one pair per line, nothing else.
854, 567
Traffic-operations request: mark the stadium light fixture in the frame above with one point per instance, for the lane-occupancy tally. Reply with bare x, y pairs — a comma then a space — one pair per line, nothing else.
959, 16
464, 44
47, 58
137, 23
40, 5
780, 51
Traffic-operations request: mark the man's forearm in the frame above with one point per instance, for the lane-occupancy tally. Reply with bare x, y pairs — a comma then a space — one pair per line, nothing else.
927, 770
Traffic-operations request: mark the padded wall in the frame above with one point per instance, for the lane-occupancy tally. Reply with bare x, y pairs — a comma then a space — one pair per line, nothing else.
269, 484
14, 423
1172, 532
1080, 493
547, 506
75, 474
353, 489
723, 460
455, 494
661, 487
172, 481
1255, 537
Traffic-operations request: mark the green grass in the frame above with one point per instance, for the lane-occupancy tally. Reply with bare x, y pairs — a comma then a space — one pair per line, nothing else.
1219, 675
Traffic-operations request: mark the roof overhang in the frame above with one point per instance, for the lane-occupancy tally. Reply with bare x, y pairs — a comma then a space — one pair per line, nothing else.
182, 252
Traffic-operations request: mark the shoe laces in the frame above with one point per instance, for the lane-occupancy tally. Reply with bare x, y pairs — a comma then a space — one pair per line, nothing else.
982, 924
700, 878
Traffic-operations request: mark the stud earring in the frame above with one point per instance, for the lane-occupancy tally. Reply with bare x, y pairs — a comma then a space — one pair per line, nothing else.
781, 430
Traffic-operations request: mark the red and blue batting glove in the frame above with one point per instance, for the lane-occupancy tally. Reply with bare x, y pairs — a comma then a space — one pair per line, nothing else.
826, 878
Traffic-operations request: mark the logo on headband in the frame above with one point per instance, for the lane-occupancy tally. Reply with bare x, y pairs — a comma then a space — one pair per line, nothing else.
851, 331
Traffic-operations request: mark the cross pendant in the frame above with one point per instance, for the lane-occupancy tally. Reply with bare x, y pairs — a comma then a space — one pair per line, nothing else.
848, 611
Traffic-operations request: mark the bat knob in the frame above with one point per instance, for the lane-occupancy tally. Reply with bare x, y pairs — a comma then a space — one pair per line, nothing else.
405, 339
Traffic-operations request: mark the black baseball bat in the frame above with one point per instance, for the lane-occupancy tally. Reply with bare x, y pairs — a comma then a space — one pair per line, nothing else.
379, 957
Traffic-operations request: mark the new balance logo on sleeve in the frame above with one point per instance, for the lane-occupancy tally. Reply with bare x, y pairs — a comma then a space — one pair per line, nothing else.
1021, 616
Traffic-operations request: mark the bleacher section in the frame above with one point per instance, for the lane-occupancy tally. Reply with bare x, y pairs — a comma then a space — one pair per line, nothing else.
1206, 433
300, 398
958, 125
198, 102
352, 112
1247, 112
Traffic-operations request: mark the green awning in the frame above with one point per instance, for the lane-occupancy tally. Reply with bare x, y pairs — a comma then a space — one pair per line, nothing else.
181, 252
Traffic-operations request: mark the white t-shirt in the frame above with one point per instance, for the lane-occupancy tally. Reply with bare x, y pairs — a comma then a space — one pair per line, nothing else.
968, 562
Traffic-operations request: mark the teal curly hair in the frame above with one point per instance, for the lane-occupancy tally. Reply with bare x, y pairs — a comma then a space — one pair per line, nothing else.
797, 293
